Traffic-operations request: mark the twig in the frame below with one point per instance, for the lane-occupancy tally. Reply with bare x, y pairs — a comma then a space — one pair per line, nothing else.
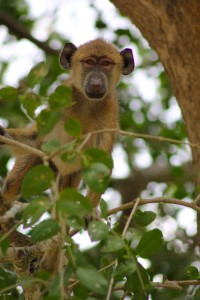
61, 253
137, 202
143, 136
87, 136
175, 201
85, 140
62, 259
111, 282
53, 154
158, 138
176, 285
32, 150
8, 288
130, 204
115, 264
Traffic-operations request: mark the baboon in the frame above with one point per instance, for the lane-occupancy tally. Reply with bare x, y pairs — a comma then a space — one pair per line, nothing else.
95, 67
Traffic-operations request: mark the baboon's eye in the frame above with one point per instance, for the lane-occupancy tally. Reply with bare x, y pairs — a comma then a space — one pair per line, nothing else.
106, 63
89, 62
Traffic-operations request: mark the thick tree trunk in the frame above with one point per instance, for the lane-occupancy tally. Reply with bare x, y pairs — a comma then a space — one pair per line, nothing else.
172, 28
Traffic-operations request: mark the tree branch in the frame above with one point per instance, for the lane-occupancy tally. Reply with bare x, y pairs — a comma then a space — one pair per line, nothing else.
23, 146
111, 283
143, 136
176, 285
166, 33
154, 200
19, 30
168, 284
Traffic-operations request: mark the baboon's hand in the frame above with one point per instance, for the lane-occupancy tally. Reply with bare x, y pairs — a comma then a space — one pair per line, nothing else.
3, 132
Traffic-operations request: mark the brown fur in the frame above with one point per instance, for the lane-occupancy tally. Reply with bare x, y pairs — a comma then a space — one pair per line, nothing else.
93, 114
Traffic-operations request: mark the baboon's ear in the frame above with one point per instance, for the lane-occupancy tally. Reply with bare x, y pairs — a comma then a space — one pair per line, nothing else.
128, 59
66, 55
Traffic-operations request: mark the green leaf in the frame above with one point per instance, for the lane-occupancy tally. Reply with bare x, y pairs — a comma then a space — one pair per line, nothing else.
4, 243
72, 203
125, 269
45, 230
36, 74
25, 281
60, 98
80, 291
140, 296
150, 243
76, 222
46, 121
70, 155
51, 146
144, 218
33, 212
30, 101
93, 280
113, 244
104, 209
135, 283
74, 297
7, 278
37, 180
97, 166
8, 93
52, 297
56, 297
192, 272
73, 127
197, 294
98, 230
94, 155
97, 177
43, 275
54, 288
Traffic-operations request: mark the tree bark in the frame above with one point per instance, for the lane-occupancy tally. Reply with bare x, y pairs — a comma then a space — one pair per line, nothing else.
172, 28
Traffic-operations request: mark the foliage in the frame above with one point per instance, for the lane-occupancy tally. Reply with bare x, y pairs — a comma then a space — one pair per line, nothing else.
127, 261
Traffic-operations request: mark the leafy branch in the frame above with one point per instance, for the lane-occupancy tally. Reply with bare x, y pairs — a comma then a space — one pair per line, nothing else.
175, 201
42, 251
86, 137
